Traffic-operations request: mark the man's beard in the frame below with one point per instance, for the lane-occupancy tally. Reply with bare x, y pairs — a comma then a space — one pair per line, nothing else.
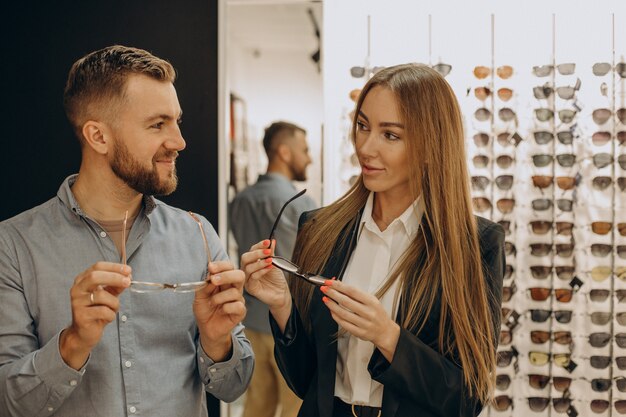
298, 175
140, 179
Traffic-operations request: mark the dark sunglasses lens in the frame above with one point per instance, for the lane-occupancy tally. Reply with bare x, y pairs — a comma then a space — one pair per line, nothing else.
538, 381
539, 316
506, 114
539, 336
506, 225
538, 403
542, 160
621, 363
601, 68
599, 339
598, 295
504, 182
566, 115
561, 383
480, 182
542, 92
566, 160
621, 384
620, 405
561, 404
564, 250
601, 250
481, 204
600, 384
540, 249
563, 316
600, 318
565, 137
503, 382
601, 160
621, 182
564, 204
600, 362
601, 183
542, 137
599, 406
540, 272
504, 358
541, 227
541, 204
480, 161
620, 339
482, 114
621, 251
481, 139
502, 402
504, 161
357, 72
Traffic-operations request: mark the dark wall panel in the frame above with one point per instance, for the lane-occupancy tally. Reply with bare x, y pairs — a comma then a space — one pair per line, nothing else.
40, 42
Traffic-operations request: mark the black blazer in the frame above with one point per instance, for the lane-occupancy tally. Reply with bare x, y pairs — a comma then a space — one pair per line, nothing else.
420, 381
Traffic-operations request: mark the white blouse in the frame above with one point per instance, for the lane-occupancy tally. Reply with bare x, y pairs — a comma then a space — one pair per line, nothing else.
372, 261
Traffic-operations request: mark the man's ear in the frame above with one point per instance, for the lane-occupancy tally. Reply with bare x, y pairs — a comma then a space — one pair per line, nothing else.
97, 136
284, 152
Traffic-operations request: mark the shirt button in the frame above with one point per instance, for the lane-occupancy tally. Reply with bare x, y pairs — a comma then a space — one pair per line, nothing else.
103, 234
201, 359
132, 409
127, 364
73, 382
210, 386
213, 370
124, 318
50, 408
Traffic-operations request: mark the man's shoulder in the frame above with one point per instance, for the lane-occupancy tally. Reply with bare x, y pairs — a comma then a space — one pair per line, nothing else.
31, 215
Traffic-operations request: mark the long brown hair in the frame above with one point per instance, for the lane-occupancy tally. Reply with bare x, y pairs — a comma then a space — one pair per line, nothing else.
447, 246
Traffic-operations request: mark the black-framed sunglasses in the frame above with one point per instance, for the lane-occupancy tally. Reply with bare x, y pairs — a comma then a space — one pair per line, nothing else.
284, 263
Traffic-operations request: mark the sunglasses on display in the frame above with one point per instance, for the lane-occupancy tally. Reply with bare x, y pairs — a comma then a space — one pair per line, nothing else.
601, 250
443, 69
481, 139
509, 248
621, 251
540, 316
569, 91
560, 383
506, 114
482, 72
542, 272
566, 137
564, 183
482, 114
539, 404
601, 116
545, 70
507, 292
601, 339
541, 227
508, 271
604, 384
602, 68
543, 92
600, 318
359, 72
600, 273
503, 381
480, 182
603, 362
565, 160
483, 93
540, 337
542, 358
564, 250
508, 138
601, 183
482, 161
506, 225
506, 337
504, 357
600, 406
542, 204
562, 295
502, 402
603, 228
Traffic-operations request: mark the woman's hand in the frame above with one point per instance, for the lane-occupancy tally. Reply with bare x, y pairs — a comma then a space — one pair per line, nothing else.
264, 281
362, 315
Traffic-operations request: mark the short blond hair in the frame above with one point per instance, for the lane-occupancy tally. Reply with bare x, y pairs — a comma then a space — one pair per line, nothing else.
96, 82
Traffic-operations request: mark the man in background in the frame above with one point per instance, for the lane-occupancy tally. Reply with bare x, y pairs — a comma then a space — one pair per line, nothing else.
252, 214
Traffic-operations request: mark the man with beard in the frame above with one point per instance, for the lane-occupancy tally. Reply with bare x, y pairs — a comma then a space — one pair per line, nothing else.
252, 214
122, 343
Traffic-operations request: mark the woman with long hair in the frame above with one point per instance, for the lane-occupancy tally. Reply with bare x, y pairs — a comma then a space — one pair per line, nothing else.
409, 326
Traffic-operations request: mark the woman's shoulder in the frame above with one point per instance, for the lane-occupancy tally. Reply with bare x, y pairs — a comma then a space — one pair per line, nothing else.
490, 234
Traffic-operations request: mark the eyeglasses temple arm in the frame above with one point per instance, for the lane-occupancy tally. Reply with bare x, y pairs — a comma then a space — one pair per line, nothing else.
124, 237
280, 213
204, 240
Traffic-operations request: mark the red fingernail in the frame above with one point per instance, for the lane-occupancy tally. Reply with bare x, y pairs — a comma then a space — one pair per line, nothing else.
329, 282
266, 242
268, 260
334, 278
267, 251
324, 289
325, 299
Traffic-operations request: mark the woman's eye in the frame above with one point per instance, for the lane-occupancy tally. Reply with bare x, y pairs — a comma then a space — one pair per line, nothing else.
361, 126
391, 136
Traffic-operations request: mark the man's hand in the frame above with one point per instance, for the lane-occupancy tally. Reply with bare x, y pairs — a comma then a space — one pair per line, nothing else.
95, 302
218, 308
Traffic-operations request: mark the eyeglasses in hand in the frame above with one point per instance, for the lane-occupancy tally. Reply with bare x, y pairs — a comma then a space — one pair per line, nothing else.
285, 264
145, 287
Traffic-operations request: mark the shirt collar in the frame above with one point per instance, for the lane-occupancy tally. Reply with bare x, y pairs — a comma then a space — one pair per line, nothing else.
410, 218
275, 176
66, 195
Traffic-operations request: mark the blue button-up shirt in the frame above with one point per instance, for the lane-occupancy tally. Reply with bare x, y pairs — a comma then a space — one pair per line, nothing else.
149, 361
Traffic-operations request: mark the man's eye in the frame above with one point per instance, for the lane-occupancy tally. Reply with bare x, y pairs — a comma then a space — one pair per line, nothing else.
157, 125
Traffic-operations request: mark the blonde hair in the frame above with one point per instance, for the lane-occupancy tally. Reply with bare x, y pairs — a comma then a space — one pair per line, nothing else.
444, 259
